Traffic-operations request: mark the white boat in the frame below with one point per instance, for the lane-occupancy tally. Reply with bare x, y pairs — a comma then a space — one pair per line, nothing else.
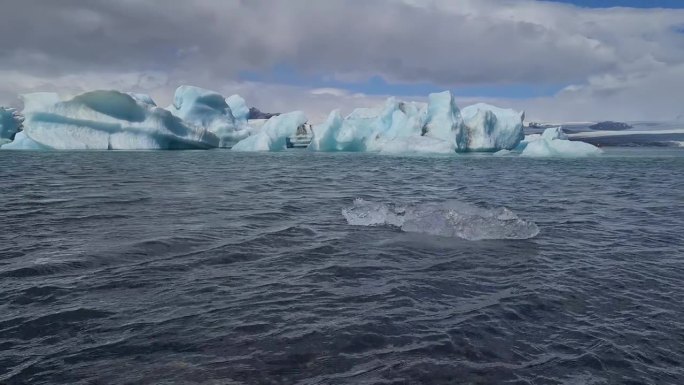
301, 138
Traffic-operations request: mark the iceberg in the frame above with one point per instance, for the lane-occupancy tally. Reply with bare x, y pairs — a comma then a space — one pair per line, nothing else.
438, 127
23, 142
201, 118
396, 128
443, 120
490, 128
274, 133
338, 134
239, 108
446, 219
206, 109
554, 143
102, 120
10, 124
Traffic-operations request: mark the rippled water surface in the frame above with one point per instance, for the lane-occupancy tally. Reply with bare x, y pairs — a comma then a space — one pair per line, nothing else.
224, 268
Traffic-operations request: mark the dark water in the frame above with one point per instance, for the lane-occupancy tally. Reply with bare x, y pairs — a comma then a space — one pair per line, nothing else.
224, 268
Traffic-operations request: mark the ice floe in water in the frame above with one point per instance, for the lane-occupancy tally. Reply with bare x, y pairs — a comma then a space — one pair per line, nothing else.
446, 219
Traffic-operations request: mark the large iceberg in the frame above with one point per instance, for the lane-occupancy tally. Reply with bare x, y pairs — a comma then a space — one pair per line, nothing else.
209, 110
554, 143
396, 128
273, 135
447, 219
201, 118
10, 124
102, 120
438, 127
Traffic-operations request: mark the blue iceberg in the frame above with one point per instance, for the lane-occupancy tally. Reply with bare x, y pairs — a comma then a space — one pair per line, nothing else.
438, 127
10, 124
104, 120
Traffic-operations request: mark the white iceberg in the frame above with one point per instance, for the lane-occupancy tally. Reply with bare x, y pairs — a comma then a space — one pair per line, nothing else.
554, 143
102, 120
274, 133
446, 219
10, 124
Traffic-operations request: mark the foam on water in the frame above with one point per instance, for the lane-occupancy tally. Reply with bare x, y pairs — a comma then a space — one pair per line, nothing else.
446, 219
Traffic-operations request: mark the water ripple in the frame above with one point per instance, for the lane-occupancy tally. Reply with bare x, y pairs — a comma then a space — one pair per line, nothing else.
225, 269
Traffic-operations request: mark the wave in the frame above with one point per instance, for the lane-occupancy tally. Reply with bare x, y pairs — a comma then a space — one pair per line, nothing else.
447, 219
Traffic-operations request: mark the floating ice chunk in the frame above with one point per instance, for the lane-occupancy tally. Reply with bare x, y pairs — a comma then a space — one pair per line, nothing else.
104, 120
553, 143
447, 219
490, 128
207, 109
274, 133
560, 148
239, 108
10, 124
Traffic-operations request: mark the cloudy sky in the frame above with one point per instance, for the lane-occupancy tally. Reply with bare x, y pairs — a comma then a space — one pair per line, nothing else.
560, 60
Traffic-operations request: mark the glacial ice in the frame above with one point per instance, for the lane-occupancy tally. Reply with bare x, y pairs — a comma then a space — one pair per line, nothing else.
206, 109
22, 142
274, 133
446, 219
439, 127
490, 128
238, 106
10, 124
142, 98
554, 143
200, 118
443, 120
104, 120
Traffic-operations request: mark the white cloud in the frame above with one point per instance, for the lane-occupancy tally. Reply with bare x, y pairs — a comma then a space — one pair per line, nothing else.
620, 63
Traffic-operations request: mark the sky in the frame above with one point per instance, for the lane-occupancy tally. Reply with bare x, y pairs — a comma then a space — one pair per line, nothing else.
570, 60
